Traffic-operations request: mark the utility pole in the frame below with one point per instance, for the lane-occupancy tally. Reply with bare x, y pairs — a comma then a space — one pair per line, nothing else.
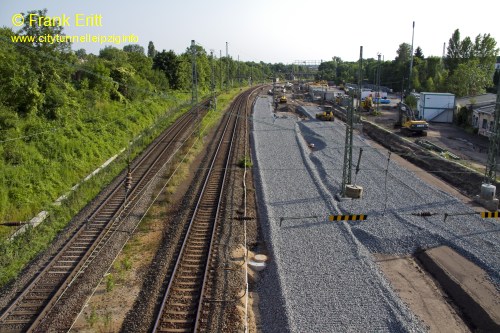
274, 91
490, 175
378, 82
238, 71
227, 59
360, 78
347, 167
411, 61
349, 126
488, 188
194, 92
212, 80
251, 73
220, 72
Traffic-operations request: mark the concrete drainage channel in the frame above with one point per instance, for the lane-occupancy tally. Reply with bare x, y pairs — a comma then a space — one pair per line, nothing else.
467, 285
445, 290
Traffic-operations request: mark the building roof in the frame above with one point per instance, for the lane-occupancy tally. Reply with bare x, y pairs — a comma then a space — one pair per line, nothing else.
487, 108
436, 93
480, 100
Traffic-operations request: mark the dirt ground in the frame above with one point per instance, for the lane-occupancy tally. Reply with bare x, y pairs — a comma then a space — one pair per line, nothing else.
421, 293
471, 148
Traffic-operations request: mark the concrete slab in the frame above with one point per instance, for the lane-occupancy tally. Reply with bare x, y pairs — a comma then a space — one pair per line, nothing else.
467, 284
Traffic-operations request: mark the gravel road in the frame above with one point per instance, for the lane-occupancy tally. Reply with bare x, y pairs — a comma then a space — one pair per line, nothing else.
328, 281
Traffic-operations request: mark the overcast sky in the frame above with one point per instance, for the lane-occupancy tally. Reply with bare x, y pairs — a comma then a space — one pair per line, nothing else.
275, 30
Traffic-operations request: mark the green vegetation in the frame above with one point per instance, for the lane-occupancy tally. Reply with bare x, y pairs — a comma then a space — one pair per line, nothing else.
467, 69
92, 317
63, 113
245, 162
110, 282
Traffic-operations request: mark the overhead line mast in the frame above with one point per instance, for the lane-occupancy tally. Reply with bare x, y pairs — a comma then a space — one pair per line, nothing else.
347, 167
194, 92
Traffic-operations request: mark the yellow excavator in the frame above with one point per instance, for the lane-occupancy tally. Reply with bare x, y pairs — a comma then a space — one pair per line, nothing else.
367, 104
282, 99
326, 115
408, 123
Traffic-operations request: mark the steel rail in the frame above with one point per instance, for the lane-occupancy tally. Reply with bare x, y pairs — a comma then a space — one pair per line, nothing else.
184, 312
58, 274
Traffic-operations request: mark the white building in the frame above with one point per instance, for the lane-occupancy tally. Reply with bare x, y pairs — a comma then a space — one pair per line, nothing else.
436, 107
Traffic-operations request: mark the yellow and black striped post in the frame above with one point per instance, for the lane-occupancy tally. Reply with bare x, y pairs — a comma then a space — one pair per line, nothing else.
490, 215
361, 217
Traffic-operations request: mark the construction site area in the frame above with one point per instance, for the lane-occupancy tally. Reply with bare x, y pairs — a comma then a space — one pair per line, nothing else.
435, 278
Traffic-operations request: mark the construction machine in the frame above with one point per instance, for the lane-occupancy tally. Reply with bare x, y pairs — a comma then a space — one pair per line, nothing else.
282, 99
367, 104
408, 122
326, 115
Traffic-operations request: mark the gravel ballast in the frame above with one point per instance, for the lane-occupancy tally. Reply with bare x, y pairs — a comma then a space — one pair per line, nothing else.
328, 279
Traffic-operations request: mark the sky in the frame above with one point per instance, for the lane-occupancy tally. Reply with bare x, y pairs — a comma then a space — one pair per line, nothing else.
271, 31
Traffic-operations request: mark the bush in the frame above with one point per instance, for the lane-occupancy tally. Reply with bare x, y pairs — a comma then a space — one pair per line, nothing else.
245, 162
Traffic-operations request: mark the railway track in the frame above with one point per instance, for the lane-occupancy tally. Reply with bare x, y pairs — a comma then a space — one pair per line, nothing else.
31, 306
181, 308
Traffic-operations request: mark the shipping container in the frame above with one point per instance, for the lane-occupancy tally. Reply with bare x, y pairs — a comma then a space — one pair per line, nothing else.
436, 107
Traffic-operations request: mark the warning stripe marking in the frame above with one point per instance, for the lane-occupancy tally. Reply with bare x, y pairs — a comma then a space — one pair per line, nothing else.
361, 217
489, 215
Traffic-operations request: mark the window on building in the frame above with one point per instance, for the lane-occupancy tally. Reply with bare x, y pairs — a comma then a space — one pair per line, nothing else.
491, 126
485, 123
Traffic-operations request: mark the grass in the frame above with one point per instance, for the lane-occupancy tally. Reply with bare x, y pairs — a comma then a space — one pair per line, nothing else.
15, 255
245, 162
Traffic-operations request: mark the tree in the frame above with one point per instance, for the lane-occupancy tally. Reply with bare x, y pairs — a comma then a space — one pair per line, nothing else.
34, 29
419, 53
113, 55
466, 49
429, 85
485, 49
403, 53
327, 71
81, 54
20, 83
454, 48
168, 63
402, 65
151, 50
134, 48
469, 79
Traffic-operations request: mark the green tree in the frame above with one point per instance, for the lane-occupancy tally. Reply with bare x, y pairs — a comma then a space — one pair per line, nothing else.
32, 28
454, 50
419, 53
20, 83
168, 63
403, 54
81, 54
151, 50
469, 79
327, 71
466, 49
134, 48
429, 85
485, 49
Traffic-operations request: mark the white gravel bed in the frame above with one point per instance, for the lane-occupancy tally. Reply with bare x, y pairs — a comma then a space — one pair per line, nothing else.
398, 231
328, 280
